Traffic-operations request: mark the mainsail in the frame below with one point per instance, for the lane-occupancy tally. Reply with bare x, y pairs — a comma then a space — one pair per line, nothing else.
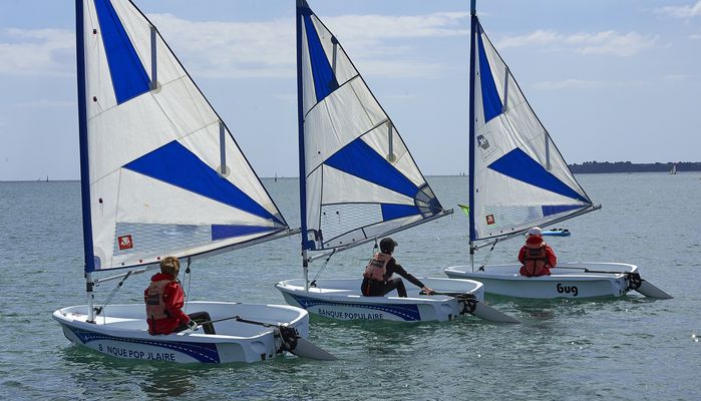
518, 178
161, 173
358, 180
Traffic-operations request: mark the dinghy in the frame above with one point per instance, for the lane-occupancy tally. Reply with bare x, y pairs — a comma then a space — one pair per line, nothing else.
161, 175
557, 232
358, 183
518, 179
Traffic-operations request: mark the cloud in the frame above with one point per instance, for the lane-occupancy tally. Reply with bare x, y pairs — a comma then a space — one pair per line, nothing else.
600, 43
248, 49
43, 51
267, 49
680, 78
682, 12
356, 27
231, 49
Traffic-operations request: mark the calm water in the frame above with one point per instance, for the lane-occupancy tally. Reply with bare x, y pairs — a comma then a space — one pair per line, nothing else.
624, 349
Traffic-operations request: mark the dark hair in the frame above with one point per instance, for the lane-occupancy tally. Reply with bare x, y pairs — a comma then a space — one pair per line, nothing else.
387, 245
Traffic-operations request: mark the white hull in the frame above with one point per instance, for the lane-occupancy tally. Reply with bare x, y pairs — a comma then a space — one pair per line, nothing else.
569, 280
121, 331
342, 300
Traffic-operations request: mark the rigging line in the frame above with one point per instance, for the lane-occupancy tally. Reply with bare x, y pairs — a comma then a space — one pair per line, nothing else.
489, 255
99, 309
189, 281
323, 267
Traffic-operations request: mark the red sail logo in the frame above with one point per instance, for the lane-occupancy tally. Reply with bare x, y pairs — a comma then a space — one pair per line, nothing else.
490, 219
125, 242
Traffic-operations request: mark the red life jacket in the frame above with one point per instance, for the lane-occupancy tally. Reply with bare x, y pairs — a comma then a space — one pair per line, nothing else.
536, 260
377, 267
153, 297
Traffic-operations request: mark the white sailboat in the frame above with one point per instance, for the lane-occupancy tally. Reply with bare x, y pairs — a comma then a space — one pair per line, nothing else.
161, 175
518, 179
358, 183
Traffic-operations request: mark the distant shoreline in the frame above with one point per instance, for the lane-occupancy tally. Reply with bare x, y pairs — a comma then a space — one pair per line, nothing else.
628, 167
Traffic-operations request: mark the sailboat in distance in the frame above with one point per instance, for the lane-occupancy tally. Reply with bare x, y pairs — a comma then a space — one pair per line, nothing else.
358, 183
161, 175
518, 179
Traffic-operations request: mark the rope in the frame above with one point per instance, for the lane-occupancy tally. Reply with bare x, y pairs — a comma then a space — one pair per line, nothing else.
489, 255
323, 267
99, 309
189, 281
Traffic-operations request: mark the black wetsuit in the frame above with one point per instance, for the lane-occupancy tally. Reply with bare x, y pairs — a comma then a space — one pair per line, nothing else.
373, 288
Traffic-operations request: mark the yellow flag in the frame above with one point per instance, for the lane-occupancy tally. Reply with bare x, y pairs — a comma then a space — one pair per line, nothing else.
465, 209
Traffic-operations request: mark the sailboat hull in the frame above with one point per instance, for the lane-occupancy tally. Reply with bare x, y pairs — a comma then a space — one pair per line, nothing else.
569, 280
342, 300
121, 331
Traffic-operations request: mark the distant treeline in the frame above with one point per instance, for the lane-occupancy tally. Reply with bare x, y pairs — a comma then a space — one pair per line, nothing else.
628, 167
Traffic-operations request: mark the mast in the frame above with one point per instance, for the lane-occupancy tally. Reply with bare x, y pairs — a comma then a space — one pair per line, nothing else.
84, 163
471, 113
302, 5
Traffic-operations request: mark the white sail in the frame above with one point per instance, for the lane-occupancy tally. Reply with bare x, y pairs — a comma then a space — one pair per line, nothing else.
360, 180
520, 179
165, 175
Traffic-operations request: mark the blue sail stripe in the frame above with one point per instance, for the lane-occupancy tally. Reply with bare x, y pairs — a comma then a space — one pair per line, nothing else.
129, 78
549, 210
490, 97
176, 165
392, 211
359, 159
519, 166
221, 231
324, 79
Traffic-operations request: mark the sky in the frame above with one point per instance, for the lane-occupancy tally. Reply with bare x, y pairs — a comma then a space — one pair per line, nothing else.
610, 80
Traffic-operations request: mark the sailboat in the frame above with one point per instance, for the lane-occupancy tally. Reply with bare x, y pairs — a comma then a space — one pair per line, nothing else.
161, 175
673, 171
358, 183
518, 179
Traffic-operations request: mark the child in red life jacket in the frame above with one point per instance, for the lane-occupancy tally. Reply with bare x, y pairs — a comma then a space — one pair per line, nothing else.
536, 256
377, 278
164, 300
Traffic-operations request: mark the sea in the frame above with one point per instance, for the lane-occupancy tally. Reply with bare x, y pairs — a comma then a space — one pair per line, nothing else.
628, 348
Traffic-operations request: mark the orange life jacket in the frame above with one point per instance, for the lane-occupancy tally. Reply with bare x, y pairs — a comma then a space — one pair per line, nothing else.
155, 307
377, 267
536, 260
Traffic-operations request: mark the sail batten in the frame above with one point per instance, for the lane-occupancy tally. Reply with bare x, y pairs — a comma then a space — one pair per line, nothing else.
163, 174
360, 179
518, 177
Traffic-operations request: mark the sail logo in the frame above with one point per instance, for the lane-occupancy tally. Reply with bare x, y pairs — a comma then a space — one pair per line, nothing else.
125, 242
490, 219
487, 150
